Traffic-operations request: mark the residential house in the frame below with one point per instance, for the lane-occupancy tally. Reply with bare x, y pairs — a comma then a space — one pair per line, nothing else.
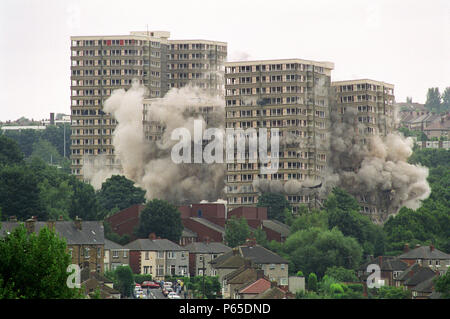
255, 288
85, 239
274, 267
439, 128
233, 282
201, 254
158, 257
426, 256
273, 293
390, 269
414, 275
424, 290
92, 282
115, 255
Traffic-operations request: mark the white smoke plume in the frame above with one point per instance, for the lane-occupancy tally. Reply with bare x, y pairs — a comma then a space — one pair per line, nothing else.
147, 162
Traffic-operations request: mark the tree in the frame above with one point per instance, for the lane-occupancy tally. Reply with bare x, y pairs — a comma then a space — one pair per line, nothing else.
236, 231
19, 193
341, 274
10, 152
442, 285
260, 237
315, 250
433, 102
446, 100
312, 282
276, 205
46, 151
34, 266
124, 280
162, 218
119, 192
343, 212
391, 292
84, 203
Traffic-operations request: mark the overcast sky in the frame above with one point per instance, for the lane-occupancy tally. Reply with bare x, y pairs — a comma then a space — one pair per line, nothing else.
406, 43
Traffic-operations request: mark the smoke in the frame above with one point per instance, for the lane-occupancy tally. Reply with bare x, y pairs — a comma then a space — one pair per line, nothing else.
148, 162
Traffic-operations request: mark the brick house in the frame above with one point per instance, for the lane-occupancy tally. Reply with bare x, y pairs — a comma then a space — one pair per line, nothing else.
85, 239
201, 254
115, 255
426, 256
254, 288
158, 257
390, 268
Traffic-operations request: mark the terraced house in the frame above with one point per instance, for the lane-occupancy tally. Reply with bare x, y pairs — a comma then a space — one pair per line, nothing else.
158, 257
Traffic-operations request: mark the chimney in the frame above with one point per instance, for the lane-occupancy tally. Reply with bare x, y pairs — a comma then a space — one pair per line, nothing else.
417, 245
259, 274
51, 224
235, 251
60, 218
431, 247
30, 225
152, 236
77, 223
12, 218
406, 248
380, 261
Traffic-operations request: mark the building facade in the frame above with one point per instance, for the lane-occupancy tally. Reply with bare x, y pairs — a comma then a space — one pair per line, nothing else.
291, 95
102, 64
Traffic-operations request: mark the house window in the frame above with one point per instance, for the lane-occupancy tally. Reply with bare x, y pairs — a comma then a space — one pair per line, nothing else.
160, 270
272, 266
147, 257
171, 255
160, 254
124, 254
283, 281
99, 252
115, 254
71, 252
146, 269
283, 266
86, 253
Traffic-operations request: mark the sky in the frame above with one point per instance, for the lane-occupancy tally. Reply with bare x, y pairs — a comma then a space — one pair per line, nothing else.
405, 43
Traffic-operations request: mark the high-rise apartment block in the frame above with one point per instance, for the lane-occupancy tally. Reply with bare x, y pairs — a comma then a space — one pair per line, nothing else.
102, 64
372, 103
292, 95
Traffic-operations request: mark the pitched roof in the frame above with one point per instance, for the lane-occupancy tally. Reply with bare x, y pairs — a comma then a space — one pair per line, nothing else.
154, 245
228, 260
109, 244
420, 276
277, 226
425, 286
91, 233
207, 248
241, 276
188, 233
260, 255
272, 293
424, 252
256, 287
388, 263
408, 272
209, 224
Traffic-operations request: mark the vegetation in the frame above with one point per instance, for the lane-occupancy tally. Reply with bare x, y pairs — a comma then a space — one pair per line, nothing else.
276, 205
118, 193
34, 266
236, 231
162, 218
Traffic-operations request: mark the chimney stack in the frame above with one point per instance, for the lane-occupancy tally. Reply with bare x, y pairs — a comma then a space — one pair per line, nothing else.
406, 248
152, 236
431, 247
77, 223
60, 218
51, 225
380, 261
12, 218
30, 225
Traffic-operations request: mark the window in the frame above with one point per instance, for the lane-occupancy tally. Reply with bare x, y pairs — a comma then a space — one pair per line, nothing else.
147, 257
272, 266
160, 254
115, 254
86, 253
99, 252
124, 254
171, 255
283, 281
160, 270
70, 252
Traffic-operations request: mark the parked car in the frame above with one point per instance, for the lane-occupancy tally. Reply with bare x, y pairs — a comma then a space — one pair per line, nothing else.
150, 284
167, 290
173, 295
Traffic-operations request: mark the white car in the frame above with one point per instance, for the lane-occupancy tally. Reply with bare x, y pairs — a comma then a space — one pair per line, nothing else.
173, 295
